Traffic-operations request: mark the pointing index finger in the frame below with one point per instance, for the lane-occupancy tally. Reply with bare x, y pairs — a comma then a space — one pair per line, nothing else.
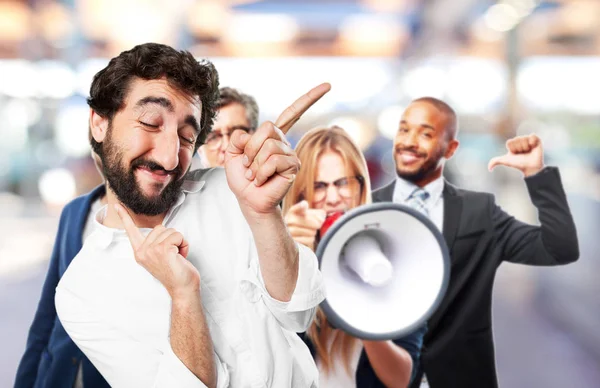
293, 112
135, 235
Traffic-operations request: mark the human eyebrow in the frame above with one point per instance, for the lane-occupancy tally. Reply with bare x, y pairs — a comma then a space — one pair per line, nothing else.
161, 101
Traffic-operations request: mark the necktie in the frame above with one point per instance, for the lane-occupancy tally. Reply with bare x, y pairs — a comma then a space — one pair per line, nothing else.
417, 199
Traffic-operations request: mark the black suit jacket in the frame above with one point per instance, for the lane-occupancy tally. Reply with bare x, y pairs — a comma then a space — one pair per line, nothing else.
458, 348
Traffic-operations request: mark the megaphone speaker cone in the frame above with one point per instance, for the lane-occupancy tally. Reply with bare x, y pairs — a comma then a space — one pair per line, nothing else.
385, 268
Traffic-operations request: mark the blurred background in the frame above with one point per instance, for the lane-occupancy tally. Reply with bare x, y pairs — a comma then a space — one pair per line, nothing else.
508, 67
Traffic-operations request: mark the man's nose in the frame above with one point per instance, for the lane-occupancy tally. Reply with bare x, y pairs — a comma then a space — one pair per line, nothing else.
166, 150
224, 142
408, 140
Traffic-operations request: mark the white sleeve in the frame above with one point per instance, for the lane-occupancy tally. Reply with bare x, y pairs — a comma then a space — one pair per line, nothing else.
122, 360
296, 314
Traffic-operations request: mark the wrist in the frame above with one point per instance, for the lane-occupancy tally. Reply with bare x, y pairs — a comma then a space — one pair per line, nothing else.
185, 297
252, 215
527, 172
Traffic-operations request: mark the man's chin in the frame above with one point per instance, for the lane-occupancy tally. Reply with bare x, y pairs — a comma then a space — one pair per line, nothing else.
410, 175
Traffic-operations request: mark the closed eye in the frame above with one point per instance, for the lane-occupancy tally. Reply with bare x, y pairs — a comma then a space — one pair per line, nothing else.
148, 125
188, 140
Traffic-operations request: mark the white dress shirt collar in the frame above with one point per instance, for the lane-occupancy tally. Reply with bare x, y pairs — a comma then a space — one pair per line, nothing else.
403, 189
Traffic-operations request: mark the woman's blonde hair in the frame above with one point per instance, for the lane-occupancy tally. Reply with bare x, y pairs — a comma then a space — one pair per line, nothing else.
311, 146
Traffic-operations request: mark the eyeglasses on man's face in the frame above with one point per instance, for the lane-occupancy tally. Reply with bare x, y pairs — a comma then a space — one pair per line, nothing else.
214, 140
347, 187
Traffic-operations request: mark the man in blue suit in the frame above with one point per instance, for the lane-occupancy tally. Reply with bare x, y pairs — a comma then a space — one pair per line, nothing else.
51, 358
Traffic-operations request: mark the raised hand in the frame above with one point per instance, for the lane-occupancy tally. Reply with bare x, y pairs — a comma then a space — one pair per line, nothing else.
163, 253
261, 167
303, 223
525, 153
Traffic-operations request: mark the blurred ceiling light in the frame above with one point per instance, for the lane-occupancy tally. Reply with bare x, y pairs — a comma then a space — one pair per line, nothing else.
426, 80
581, 15
70, 130
271, 96
16, 117
258, 28
18, 78
126, 23
522, 7
208, 18
388, 121
581, 93
86, 71
240, 2
353, 81
533, 85
263, 35
54, 21
15, 21
388, 5
95, 17
57, 187
356, 80
373, 35
483, 32
362, 134
501, 17
55, 79
575, 84
140, 23
476, 86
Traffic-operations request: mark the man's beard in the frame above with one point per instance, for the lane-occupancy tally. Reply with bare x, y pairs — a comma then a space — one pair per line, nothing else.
125, 186
430, 165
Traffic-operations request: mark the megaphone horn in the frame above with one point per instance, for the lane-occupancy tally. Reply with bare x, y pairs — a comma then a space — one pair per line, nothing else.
385, 268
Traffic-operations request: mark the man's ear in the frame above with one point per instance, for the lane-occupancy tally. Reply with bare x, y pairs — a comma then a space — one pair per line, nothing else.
98, 126
452, 146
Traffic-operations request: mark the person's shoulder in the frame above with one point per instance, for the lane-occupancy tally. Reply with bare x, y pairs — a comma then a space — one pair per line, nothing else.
384, 192
470, 196
76, 205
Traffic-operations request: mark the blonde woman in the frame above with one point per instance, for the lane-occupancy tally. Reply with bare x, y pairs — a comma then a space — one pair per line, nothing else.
334, 178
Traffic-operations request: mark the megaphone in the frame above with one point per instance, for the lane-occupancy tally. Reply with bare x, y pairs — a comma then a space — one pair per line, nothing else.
385, 269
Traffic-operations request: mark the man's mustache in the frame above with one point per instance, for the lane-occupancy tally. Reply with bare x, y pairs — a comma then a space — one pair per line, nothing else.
411, 150
153, 166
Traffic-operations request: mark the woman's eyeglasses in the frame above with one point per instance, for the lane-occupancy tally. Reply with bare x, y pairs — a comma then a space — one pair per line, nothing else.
347, 187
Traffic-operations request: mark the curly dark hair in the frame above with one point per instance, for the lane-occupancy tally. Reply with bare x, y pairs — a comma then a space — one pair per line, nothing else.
153, 61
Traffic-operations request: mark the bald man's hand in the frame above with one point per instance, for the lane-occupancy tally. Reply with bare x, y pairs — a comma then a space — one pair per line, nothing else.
525, 153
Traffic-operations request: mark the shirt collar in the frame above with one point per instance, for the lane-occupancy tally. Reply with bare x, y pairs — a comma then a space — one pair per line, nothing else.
104, 235
403, 189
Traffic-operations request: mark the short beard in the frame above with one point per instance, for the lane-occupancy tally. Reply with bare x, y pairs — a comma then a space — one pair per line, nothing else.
124, 184
426, 170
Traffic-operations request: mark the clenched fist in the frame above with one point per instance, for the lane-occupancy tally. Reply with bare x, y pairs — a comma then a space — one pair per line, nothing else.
525, 153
